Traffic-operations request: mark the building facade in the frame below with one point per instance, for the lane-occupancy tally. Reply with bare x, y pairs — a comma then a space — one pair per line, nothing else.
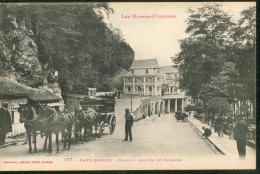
147, 78
143, 78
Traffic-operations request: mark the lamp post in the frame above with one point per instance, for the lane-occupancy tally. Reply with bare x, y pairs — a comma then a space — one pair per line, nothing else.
141, 94
131, 103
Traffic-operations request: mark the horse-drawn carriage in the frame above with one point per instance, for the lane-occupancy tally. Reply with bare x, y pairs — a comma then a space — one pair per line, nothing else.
97, 111
104, 106
180, 116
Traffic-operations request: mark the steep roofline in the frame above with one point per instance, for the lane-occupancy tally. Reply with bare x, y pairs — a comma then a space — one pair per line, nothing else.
157, 66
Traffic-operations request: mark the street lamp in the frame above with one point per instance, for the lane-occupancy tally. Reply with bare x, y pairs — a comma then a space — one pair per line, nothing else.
141, 94
131, 103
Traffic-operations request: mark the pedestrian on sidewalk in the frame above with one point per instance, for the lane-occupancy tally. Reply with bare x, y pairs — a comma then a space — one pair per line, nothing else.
219, 125
207, 132
212, 119
203, 117
128, 125
230, 122
5, 123
240, 133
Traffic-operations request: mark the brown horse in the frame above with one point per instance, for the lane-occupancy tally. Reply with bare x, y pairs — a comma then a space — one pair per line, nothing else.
85, 119
29, 117
55, 123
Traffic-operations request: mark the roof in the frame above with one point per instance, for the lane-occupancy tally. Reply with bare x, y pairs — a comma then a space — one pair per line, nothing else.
168, 69
42, 95
14, 89
106, 94
145, 63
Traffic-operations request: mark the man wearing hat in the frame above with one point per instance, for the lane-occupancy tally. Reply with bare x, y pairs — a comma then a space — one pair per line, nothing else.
5, 123
240, 133
128, 125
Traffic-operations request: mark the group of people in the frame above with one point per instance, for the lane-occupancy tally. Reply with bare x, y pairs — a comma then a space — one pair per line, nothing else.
239, 131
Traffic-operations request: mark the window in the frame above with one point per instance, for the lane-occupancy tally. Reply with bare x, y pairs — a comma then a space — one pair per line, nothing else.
139, 80
146, 71
175, 89
150, 88
158, 89
148, 80
129, 89
132, 71
139, 88
129, 80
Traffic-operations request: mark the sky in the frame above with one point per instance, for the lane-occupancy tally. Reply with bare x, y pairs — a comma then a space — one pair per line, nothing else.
158, 37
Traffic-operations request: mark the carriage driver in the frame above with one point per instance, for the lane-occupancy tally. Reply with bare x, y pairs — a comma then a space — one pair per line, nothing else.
128, 125
5, 124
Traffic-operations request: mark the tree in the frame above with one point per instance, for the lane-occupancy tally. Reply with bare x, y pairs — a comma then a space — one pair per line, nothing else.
210, 23
225, 84
218, 105
244, 36
74, 40
118, 81
203, 52
189, 108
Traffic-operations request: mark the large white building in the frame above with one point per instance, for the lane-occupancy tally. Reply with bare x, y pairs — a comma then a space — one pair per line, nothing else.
146, 77
143, 78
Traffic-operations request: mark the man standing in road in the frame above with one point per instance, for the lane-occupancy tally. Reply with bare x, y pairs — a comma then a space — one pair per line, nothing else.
128, 125
240, 133
5, 123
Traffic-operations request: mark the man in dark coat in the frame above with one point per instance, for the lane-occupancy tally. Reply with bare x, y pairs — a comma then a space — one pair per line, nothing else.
5, 122
219, 125
240, 132
128, 125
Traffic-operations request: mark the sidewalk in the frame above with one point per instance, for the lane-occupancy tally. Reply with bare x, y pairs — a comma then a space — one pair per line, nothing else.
224, 145
9, 141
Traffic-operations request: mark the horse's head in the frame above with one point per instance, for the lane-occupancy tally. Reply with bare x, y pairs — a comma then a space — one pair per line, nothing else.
26, 113
79, 114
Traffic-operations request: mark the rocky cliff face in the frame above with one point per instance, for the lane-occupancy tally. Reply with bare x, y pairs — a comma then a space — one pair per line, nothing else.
19, 57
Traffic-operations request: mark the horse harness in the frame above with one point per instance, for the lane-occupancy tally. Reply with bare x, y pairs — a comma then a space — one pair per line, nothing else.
41, 120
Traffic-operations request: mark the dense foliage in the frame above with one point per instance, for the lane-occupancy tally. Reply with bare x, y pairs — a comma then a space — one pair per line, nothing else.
74, 40
218, 105
218, 58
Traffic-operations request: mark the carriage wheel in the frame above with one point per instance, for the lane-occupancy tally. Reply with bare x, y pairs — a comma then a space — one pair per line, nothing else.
101, 129
112, 124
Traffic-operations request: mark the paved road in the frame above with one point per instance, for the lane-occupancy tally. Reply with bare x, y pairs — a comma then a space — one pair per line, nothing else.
154, 136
